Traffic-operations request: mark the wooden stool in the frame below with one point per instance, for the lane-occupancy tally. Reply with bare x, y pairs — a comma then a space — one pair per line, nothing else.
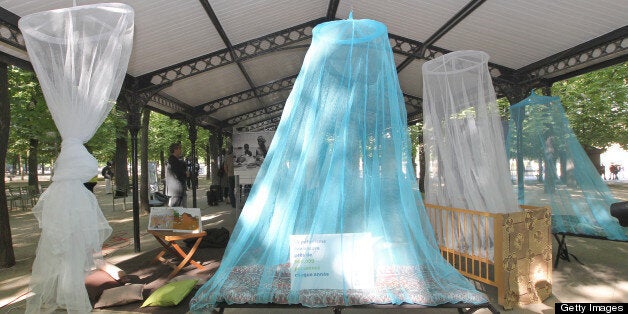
167, 240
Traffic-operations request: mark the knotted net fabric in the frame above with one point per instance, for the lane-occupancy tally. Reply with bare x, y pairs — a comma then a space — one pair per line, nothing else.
335, 216
80, 55
550, 168
464, 144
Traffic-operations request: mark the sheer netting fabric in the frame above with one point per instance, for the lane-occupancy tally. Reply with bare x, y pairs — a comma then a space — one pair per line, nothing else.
335, 216
80, 55
464, 143
550, 168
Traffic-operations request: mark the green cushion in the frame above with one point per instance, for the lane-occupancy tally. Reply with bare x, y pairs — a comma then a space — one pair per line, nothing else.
170, 294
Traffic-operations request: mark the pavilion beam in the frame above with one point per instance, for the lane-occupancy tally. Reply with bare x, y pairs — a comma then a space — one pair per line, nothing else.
280, 40
263, 90
450, 24
597, 66
9, 32
256, 113
278, 85
605, 50
408, 47
225, 39
413, 101
9, 59
332, 9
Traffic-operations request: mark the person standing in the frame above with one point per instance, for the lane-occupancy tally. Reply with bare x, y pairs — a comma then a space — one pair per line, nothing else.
228, 167
176, 175
107, 173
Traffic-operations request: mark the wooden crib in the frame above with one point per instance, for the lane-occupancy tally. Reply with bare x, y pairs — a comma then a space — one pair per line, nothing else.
511, 251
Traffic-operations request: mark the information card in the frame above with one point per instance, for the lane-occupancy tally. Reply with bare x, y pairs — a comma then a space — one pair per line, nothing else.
331, 261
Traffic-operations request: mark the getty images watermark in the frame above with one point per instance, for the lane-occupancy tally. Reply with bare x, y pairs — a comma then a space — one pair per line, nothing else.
591, 308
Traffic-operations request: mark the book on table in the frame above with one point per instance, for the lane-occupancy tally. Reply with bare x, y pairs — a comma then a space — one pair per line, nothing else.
176, 219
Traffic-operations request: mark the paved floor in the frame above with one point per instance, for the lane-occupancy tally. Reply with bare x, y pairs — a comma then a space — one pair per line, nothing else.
602, 278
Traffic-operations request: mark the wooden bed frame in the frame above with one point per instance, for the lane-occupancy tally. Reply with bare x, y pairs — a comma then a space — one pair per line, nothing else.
518, 261
463, 308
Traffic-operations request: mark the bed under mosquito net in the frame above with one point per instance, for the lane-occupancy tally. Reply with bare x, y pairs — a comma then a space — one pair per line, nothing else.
335, 217
479, 227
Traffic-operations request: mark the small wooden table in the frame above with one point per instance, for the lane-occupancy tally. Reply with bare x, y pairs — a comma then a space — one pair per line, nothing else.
167, 240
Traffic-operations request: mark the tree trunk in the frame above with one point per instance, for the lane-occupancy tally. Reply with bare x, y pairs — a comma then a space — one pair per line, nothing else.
144, 160
32, 164
7, 256
121, 174
162, 163
20, 166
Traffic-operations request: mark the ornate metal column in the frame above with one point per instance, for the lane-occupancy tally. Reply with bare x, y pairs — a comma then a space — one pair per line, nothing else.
214, 151
134, 118
193, 134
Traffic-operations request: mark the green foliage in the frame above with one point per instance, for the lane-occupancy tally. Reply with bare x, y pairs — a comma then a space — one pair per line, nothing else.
415, 132
596, 105
30, 118
504, 108
103, 143
163, 131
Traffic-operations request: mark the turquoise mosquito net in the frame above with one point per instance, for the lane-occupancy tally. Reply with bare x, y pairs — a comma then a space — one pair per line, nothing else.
335, 216
550, 168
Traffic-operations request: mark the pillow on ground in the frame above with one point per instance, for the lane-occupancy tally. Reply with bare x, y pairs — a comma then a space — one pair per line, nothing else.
170, 294
97, 282
120, 296
200, 282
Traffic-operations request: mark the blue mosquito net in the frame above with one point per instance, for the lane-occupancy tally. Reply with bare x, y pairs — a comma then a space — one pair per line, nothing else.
335, 216
550, 168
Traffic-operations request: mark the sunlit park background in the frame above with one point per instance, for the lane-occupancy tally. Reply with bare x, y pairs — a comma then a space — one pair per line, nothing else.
596, 104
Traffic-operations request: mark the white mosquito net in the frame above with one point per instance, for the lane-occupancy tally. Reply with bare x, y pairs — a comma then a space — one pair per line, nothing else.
80, 55
335, 216
464, 142
463, 133
550, 168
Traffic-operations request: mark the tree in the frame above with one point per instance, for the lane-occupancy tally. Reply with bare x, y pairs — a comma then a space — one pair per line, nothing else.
164, 131
32, 123
596, 105
103, 143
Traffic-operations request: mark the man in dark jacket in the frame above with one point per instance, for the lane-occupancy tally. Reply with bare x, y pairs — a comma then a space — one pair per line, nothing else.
176, 175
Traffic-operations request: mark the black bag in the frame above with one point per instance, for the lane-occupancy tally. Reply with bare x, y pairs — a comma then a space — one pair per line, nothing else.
161, 197
215, 238
212, 197
620, 211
